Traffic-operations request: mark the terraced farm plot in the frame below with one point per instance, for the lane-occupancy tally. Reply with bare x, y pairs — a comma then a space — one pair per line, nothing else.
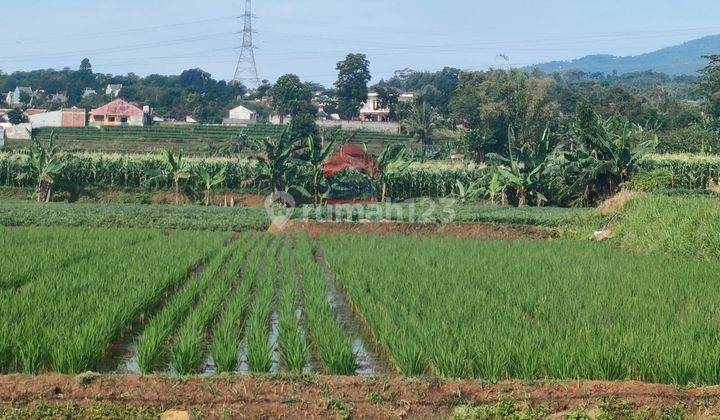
192, 139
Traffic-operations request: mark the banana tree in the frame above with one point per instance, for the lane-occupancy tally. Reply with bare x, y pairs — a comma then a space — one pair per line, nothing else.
210, 181
317, 154
278, 167
178, 169
523, 169
495, 187
607, 152
390, 166
43, 165
472, 191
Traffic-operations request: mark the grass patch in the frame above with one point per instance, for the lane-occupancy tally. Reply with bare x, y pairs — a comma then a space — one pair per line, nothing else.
687, 227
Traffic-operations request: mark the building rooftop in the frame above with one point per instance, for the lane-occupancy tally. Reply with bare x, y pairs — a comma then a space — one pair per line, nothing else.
119, 108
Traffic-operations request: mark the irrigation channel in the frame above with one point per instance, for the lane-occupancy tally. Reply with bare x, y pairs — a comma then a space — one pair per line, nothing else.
122, 356
370, 363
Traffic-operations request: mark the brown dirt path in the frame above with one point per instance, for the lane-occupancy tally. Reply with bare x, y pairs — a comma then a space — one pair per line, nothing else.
332, 397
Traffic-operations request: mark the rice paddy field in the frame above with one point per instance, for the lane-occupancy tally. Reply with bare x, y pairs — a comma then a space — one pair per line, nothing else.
193, 303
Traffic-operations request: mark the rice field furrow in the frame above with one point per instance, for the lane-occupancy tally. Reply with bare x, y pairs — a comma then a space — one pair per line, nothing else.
151, 343
326, 335
226, 335
532, 310
100, 299
291, 345
188, 347
257, 333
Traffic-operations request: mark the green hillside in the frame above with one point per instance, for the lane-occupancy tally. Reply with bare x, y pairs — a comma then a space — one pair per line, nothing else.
683, 59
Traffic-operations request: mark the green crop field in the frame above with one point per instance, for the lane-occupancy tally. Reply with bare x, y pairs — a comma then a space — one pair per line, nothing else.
192, 139
71, 295
533, 309
15, 212
70, 292
78, 299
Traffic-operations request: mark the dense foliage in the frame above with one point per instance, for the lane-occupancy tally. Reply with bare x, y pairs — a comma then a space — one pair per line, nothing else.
194, 92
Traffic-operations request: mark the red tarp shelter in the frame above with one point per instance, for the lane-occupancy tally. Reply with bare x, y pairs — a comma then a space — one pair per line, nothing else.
351, 156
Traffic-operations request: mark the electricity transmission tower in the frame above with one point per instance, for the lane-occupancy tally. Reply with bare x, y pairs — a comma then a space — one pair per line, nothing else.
246, 71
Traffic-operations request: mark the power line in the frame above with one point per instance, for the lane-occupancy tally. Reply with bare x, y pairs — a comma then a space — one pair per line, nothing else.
86, 35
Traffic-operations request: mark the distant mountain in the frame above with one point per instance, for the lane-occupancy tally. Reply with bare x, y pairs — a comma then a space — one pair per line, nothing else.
678, 60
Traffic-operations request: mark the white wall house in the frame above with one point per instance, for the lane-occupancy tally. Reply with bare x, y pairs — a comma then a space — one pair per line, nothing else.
372, 109
240, 116
113, 91
17, 132
46, 119
13, 98
68, 117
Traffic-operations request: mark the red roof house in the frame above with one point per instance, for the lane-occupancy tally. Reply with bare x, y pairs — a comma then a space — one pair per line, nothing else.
118, 113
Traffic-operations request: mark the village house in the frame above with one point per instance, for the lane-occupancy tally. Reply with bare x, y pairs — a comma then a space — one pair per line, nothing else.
14, 98
66, 117
34, 111
241, 116
372, 109
88, 92
118, 113
59, 98
113, 91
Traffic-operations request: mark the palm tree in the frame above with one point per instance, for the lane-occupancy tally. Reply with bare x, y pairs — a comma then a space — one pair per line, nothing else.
317, 155
210, 181
178, 169
43, 165
421, 123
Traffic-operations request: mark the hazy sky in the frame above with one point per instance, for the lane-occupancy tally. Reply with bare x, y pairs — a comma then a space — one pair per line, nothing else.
308, 37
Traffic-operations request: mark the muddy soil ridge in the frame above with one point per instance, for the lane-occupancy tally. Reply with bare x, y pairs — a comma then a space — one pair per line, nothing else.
329, 397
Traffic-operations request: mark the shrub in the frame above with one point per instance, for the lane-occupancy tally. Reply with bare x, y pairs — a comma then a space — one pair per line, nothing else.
657, 179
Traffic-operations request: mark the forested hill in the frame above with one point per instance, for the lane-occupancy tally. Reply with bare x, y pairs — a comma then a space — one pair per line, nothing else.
678, 60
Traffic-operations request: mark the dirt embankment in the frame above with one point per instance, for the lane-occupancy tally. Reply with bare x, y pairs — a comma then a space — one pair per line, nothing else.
455, 230
330, 397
